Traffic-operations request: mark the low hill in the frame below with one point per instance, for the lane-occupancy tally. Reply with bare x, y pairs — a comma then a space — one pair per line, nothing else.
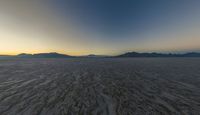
44, 55
136, 54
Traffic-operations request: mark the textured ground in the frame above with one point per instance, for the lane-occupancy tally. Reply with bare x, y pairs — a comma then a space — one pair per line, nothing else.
145, 86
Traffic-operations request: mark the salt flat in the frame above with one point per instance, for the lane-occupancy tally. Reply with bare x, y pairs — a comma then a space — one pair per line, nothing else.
100, 86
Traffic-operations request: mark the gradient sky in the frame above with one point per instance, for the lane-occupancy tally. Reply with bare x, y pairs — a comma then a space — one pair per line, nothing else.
80, 27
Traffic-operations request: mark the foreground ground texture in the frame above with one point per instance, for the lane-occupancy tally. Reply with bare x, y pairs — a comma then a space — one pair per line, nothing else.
97, 86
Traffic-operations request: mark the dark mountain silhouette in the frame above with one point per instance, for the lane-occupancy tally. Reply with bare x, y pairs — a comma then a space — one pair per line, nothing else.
44, 55
24, 55
191, 54
154, 54
128, 54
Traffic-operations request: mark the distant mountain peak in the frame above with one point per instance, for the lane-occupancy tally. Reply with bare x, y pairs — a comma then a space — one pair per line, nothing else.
44, 55
155, 54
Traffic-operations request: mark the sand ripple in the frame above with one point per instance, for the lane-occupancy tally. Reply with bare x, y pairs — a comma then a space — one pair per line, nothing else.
100, 86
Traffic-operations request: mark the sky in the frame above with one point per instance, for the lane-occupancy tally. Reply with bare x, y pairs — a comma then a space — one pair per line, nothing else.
103, 27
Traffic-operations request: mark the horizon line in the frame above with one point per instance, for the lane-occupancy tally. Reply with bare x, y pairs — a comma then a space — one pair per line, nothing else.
180, 52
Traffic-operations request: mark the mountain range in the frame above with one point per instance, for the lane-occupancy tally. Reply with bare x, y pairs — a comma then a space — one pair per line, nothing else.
154, 54
44, 55
128, 54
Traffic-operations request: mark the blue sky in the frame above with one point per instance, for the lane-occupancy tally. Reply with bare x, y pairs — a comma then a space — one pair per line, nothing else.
81, 27
116, 17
